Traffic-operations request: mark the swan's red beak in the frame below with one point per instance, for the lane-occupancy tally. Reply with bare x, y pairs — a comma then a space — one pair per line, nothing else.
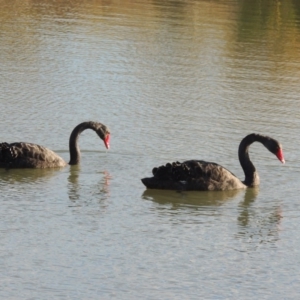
279, 155
106, 141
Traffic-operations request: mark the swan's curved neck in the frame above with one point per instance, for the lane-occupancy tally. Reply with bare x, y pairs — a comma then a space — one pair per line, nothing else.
251, 176
73, 142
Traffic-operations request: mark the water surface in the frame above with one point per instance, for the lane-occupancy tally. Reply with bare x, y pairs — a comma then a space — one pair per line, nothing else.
173, 80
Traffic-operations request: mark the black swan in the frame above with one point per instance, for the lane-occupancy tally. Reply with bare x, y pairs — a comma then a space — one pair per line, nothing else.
199, 175
27, 155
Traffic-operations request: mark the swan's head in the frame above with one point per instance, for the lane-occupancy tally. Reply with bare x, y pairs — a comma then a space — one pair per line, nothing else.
276, 148
104, 134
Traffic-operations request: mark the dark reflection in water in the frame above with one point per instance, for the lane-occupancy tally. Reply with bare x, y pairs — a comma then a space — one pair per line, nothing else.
249, 198
191, 199
258, 224
26, 175
79, 190
255, 224
73, 186
29, 185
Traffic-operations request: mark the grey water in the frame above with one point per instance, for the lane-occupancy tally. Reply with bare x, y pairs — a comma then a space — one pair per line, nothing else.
173, 80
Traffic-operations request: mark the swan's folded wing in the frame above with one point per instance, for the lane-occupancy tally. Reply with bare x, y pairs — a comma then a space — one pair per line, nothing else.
28, 155
211, 176
193, 175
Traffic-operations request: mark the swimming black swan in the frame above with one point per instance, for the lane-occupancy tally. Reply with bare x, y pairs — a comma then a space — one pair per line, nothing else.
199, 175
27, 155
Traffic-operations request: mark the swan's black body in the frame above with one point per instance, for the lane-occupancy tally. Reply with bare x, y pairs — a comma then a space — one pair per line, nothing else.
198, 175
28, 155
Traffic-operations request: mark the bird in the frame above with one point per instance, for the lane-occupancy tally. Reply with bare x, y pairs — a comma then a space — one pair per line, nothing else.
199, 175
28, 155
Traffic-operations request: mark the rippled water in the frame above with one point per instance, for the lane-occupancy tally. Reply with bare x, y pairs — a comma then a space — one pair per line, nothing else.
173, 80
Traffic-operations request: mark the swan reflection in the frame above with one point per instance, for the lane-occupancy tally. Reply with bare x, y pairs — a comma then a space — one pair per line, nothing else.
27, 175
190, 199
249, 198
83, 190
258, 224
73, 186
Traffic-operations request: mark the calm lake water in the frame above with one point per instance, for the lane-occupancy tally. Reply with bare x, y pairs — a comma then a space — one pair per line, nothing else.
173, 80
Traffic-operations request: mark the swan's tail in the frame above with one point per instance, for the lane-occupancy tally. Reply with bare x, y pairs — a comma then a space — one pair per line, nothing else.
174, 176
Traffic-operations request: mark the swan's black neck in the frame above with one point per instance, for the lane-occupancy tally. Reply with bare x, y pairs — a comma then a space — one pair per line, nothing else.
73, 142
251, 176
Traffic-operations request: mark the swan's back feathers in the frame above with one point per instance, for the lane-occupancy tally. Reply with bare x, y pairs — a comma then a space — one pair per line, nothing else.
28, 155
192, 175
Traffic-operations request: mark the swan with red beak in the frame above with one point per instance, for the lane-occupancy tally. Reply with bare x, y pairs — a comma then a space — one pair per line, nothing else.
199, 175
28, 155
